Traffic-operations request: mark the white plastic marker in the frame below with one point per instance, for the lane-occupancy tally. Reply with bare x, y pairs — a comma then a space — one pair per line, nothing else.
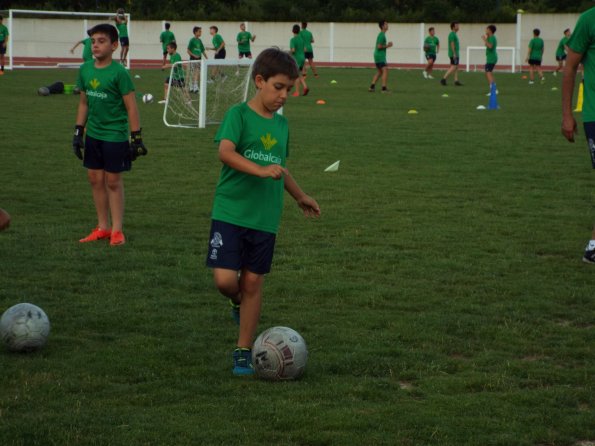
445, 95
137, 76
481, 107
333, 167
412, 112
333, 81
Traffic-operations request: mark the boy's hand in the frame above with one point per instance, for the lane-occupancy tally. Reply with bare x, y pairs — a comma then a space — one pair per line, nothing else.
77, 141
569, 128
309, 206
137, 148
274, 171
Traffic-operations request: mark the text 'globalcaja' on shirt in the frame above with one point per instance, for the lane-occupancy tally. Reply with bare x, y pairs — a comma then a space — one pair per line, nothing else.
247, 200
107, 117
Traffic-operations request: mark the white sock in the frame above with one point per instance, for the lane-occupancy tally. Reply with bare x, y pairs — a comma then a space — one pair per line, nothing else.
591, 245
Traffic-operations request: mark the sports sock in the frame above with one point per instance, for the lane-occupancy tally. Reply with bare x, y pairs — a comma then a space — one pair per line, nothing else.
372, 86
591, 245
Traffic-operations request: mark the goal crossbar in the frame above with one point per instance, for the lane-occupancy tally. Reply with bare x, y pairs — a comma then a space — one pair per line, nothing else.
482, 48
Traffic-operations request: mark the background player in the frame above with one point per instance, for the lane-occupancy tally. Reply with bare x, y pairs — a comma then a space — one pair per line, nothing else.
244, 38
308, 39
431, 48
297, 46
534, 56
3, 44
196, 51
561, 51
87, 48
380, 58
453, 54
491, 44
122, 25
165, 37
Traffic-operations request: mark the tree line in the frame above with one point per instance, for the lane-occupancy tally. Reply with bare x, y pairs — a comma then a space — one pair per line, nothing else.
473, 11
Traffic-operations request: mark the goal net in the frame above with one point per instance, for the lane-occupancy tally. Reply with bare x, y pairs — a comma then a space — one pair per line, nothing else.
43, 39
476, 58
201, 91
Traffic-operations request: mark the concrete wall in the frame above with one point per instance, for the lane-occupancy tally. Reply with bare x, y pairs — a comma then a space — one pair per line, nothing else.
334, 42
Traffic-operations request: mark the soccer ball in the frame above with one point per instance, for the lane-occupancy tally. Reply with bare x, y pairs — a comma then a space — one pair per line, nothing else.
147, 98
279, 353
24, 327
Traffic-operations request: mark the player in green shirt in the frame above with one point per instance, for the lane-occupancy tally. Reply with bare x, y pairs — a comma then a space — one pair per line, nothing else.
431, 49
218, 43
380, 58
297, 46
122, 26
253, 147
534, 56
196, 51
107, 108
453, 54
177, 76
491, 43
308, 39
244, 38
87, 48
165, 37
3, 44
561, 51
581, 49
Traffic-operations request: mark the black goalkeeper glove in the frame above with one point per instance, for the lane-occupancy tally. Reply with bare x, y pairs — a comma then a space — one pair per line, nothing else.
77, 141
137, 148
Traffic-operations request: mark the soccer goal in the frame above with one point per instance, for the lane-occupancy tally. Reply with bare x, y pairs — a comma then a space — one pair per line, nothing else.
43, 39
476, 58
200, 91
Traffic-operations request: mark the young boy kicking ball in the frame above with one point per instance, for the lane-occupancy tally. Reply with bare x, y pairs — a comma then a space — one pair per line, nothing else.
253, 147
107, 107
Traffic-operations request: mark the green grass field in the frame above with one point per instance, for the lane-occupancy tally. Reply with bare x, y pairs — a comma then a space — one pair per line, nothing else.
441, 294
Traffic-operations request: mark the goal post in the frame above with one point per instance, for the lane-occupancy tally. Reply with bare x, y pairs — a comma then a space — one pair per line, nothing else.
34, 46
474, 58
201, 91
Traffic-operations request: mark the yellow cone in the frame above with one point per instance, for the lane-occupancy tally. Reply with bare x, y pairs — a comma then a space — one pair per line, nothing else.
579, 101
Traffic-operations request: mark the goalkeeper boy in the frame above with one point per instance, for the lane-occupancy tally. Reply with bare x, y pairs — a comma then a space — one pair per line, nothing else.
107, 107
253, 147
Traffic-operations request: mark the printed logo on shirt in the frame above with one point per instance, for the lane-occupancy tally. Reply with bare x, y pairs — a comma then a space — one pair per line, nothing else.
268, 142
94, 84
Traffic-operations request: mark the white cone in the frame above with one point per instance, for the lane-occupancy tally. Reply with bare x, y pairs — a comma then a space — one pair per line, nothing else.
333, 167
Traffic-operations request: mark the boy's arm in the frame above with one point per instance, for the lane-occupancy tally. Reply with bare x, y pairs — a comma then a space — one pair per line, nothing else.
83, 109
304, 201
568, 122
133, 118
253, 37
74, 47
229, 156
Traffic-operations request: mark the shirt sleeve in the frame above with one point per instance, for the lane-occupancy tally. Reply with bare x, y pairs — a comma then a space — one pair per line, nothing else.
231, 127
580, 39
125, 84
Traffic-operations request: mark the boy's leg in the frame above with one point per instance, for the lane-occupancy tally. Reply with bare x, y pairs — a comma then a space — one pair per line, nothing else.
228, 284
377, 76
100, 197
384, 77
114, 184
251, 291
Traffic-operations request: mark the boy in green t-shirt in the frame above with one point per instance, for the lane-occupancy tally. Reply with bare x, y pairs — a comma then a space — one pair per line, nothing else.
581, 49
165, 38
177, 76
453, 54
3, 44
297, 46
122, 25
196, 51
107, 108
218, 43
87, 48
380, 58
490, 42
244, 38
431, 49
253, 147
308, 39
534, 56
561, 51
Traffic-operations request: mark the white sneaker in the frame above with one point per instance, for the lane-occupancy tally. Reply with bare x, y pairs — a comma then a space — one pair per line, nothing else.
430, 76
161, 102
424, 74
531, 82
555, 73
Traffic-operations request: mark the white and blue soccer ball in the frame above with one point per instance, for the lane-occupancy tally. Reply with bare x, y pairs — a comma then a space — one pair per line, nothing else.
279, 353
148, 98
24, 327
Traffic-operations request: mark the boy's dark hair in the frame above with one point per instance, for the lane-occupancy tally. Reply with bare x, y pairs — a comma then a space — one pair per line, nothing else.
174, 45
196, 28
107, 29
274, 61
492, 28
1, 17
567, 30
304, 25
215, 28
453, 24
536, 32
431, 28
296, 29
167, 25
381, 23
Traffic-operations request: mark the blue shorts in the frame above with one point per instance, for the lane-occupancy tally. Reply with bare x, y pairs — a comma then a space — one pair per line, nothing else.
489, 67
124, 41
113, 157
3, 46
454, 61
235, 247
431, 57
590, 134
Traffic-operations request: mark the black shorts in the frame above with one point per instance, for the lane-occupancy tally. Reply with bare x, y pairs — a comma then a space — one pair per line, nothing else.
454, 61
245, 54
309, 55
380, 65
220, 54
489, 67
3, 46
590, 134
195, 58
175, 82
124, 41
561, 58
235, 247
535, 62
431, 57
113, 157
